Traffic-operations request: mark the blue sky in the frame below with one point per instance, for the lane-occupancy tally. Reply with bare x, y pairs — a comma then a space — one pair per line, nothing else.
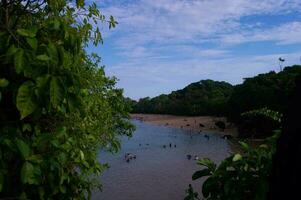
163, 45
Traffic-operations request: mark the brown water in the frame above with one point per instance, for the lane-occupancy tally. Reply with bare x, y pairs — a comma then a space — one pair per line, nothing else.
157, 173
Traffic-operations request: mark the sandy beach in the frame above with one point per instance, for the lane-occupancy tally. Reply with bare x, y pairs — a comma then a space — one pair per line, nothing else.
197, 123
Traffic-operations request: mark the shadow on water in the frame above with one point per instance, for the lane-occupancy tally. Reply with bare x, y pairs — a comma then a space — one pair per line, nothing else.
158, 172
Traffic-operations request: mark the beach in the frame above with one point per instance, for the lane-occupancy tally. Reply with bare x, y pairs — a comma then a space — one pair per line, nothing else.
195, 123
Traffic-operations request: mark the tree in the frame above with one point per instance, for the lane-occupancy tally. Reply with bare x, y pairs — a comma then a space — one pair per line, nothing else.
57, 107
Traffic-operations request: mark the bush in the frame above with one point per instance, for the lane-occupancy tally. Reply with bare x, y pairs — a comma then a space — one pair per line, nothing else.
259, 123
240, 176
57, 107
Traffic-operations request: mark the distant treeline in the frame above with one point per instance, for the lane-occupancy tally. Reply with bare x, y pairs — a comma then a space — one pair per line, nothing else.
207, 97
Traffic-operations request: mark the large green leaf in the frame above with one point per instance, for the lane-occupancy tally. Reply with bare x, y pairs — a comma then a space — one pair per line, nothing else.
207, 163
3, 82
52, 52
23, 148
56, 91
26, 101
201, 173
236, 157
43, 57
27, 173
42, 83
33, 42
19, 60
26, 32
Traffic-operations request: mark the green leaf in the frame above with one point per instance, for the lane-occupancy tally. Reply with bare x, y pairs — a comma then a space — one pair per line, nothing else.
35, 159
43, 57
208, 186
52, 52
27, 173
207, 163
23, 148
19, 60
3, 82
26, 32
42, 83
33, 43
26, 102
56, 24
201, 173
56, 91
82, 155
12, 50
80, 3
26, 127
236, 157
244, 146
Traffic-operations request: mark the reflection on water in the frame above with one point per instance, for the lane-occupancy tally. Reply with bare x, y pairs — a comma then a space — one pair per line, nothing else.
157, 173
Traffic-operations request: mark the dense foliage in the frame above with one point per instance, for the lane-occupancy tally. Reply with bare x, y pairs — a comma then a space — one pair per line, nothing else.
240, 176
271, 90
57, 107
205, 97
259, 123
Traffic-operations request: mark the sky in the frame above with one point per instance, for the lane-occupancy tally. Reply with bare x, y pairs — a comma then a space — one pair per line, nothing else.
160, 46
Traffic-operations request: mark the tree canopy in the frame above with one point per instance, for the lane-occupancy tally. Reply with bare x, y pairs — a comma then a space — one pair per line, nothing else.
205, 97
57, 107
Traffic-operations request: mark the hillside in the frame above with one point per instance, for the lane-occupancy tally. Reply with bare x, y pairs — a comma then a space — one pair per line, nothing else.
208, 97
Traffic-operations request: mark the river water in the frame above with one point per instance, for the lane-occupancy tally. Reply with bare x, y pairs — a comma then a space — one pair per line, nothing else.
157, 173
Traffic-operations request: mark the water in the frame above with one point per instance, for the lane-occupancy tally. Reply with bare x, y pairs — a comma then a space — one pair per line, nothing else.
157, 173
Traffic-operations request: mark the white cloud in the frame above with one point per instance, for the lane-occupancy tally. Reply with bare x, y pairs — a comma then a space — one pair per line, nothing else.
163, 45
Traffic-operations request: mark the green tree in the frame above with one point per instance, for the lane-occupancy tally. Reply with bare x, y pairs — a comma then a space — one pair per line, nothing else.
57, 107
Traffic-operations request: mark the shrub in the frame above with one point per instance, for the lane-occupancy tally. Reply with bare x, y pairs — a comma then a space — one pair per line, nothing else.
57, 107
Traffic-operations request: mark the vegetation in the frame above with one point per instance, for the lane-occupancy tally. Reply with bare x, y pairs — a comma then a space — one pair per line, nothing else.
205, 97
259, 123
240, 176
271, 90
57, 107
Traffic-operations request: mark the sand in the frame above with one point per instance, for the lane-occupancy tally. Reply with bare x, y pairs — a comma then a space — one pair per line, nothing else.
197, 123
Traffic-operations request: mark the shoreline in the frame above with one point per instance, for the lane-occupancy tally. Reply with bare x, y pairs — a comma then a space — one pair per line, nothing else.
195, 123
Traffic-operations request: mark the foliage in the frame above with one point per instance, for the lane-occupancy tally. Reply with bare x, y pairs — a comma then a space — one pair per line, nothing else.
259, 123
240, 176
57, 107
250, 171
201, 98
271, 90
265, 112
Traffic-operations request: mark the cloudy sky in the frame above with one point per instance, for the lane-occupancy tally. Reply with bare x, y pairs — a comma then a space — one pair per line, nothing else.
163, 45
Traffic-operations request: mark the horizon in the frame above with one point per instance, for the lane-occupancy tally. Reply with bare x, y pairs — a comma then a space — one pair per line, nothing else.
161, 46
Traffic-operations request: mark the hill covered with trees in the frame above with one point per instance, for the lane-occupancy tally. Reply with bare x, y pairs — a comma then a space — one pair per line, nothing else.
207, 97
